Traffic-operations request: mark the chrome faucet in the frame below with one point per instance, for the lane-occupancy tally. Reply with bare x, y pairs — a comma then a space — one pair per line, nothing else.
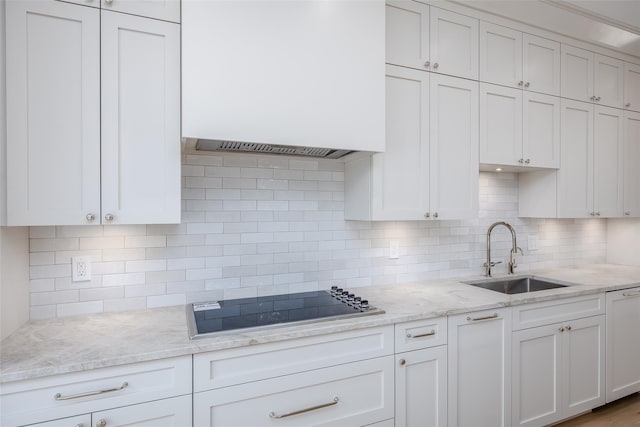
514, 249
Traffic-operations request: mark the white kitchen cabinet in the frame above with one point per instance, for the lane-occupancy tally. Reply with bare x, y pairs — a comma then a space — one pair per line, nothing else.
358, 393
511, 58
57, 172
94, 391
631, 86
432, 39
519, 128
77, 421
429, 167
140, 120
590, 179
591, 77
421, 373
558, 371
623, 343
631, 154
167, 10
91, 3
173, 412
479, 369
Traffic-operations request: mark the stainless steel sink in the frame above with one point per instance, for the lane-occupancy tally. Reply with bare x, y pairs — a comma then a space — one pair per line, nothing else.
516, 285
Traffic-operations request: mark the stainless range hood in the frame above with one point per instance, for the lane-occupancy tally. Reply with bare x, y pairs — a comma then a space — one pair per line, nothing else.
252, 147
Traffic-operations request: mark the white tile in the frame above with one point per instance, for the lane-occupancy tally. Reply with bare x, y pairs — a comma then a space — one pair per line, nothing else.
47, 245
111, 242
125, 304
239, 205
273, 205
123, 279
223, 261
203, 182
204, 159
262, 173
203, 273
240, 183
272, 184
125, 230
228, 283
41, 285
79, 231
42, 312
99, 294
257, 194
166, 300
256, 259
42, 232
223, 194
204, 228
191, 170
49, 271
241, 160
218, 171
303, 164
41, 258
145, 241
258, 281
164, 276
58, 297
64, 257
144, 266
186, 286
198, 251
185, 263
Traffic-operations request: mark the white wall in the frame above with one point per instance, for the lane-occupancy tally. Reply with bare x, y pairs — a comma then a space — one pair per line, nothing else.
623, 241
14, 278
256, 225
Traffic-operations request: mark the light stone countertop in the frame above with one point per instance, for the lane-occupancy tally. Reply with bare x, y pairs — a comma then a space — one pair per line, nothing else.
57, 346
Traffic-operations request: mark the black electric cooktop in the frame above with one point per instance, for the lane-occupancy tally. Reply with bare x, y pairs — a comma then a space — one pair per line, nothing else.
209, 318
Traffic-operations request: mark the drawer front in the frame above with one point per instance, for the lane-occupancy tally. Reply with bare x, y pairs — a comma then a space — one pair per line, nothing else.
420, 334
237, 366
59, 396
79, 421
561, 310
353, 394
173, 412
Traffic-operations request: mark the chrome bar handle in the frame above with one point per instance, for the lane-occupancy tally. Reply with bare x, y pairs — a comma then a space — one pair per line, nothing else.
631, 294
59, 396
428, 334
302, 411
474, 319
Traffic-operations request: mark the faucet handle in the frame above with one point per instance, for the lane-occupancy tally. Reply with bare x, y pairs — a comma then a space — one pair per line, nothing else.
515, 252
491, 264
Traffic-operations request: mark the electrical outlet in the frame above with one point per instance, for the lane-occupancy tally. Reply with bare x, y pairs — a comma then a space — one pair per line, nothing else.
80, 268
394, 249
532, 242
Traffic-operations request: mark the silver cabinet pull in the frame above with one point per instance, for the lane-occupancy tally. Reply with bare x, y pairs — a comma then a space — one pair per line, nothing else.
627, 213
80, 425
59, 396
426, 64
592, 213
593, 98
428, 334
435, 214
302, 411
101, 423
403, 362
435, 65
597, 213
627, 105
520, 161
597, 99
526, 162
527, 84
90, 217
631, 294
520, 83
474, 319
427, 215
561, 329
568, 327
108, 217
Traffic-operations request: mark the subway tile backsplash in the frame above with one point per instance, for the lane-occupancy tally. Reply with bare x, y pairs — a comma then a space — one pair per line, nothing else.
258, 225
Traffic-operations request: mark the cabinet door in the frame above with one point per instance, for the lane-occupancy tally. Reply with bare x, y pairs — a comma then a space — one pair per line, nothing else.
632, 86
623, 343
479, 369
167, 10
608, 81
453, 148
536, 377
53, 113
583, 365
421, 388
500, 55
575, 182
608, 161
407, 33
453, 44
79, 421
400, 178
631, 154
500, 125
577, 73
140, 120
173, 412
541, 130
541, 64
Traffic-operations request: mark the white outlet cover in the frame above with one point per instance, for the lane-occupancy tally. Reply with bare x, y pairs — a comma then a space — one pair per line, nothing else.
532, 242
394, 249
80, 268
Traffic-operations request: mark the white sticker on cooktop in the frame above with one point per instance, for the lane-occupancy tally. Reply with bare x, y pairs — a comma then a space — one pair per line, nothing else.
201, 306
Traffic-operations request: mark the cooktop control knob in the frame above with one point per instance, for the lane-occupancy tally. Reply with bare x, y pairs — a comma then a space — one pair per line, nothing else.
338, 292
357, 300
334, 288
345, 295
351, 298
364, 304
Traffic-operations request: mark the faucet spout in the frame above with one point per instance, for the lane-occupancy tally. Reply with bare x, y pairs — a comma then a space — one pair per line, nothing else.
514, 249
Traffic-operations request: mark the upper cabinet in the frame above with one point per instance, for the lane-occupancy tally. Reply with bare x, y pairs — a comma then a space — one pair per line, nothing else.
515, 59
631, 170
86, 111
303, 73
429, 169
591, 77
631, 86
432, 39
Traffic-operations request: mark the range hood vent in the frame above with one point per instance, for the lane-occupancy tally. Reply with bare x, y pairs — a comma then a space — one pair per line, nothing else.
253, 147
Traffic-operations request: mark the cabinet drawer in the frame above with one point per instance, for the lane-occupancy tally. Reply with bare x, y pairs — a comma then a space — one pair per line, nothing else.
420, 334
242, 365
79, 421
59, 396
358, 393
548, 312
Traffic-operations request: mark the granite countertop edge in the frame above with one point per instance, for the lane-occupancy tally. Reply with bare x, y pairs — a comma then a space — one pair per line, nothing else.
44, 348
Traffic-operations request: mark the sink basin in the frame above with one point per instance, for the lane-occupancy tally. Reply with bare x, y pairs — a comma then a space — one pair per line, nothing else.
516, 285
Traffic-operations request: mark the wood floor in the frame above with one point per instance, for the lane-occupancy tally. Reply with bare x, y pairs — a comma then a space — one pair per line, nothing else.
621, 413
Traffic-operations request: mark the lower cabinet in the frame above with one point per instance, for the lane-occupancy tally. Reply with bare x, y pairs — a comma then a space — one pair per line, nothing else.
558, 371
479, 358
353, 394
623, 343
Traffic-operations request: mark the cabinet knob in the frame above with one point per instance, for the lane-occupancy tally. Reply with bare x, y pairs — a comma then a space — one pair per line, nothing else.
427, 215
527, 161
108, 1
561, 329
108, 217
426, 64
593, 98
627, 105
597, 99
527, 84
435, 65
435, 214
568, 327
627, 213
520, 83
592, 213
90, 217
597, 213
520, 161
101, 423
403, 362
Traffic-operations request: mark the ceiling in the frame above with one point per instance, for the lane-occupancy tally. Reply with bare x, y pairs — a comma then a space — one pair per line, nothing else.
611, 23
